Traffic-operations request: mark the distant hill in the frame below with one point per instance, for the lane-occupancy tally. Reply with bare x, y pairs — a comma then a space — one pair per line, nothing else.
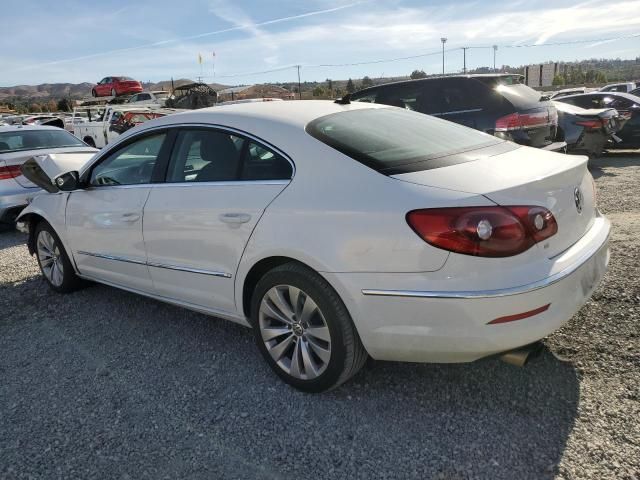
57, 91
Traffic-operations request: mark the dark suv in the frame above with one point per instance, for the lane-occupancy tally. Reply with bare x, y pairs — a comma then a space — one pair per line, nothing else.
499, 104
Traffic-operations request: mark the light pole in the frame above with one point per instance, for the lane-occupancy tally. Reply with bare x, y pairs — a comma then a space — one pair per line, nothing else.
443, 40
495, 49
464, 59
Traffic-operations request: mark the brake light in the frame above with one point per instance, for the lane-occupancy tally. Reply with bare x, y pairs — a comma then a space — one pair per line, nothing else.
520, 121
12, 171
591, 124
484, 231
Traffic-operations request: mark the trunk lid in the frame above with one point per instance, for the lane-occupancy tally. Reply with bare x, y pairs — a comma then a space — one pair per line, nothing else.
524, 176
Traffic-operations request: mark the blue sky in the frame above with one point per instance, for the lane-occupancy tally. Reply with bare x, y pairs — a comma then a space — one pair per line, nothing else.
75, 40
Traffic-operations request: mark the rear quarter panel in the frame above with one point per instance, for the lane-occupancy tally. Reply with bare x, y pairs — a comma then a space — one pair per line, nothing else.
339, 216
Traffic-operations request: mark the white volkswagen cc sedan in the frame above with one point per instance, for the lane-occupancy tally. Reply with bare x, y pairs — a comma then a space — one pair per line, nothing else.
336, 231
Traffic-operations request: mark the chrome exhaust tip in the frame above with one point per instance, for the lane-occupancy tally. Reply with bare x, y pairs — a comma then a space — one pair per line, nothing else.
520, 356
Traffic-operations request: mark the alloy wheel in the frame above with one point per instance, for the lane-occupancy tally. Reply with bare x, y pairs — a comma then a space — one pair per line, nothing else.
50, 258
295, 332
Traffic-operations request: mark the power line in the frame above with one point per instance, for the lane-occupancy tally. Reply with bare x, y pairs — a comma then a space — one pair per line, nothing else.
428, 54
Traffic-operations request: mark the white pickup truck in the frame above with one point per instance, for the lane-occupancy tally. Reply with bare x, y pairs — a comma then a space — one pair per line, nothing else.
98, 125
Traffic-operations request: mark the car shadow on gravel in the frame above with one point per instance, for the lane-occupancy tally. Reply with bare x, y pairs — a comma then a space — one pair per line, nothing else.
107, 381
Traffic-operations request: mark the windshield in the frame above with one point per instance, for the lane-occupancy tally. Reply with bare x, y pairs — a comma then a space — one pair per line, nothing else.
37, 139
387, 138
161, 94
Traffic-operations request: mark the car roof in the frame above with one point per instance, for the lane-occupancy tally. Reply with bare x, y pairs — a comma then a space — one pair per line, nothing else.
431, 79
16, 128
626, 95
297, 113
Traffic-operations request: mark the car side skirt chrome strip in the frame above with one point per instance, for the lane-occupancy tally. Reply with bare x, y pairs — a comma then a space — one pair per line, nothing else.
503, 292
190, 270
234, 317
157, 265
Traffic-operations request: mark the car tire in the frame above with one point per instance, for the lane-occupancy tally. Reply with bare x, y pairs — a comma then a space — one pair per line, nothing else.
94, 94
89, 141
53, 260
114, 93
304, 330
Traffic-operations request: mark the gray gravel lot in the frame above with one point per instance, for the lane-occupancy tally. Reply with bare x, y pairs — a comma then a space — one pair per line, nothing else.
105, 384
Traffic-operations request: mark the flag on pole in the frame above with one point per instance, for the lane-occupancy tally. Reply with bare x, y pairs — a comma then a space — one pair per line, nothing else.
200, 59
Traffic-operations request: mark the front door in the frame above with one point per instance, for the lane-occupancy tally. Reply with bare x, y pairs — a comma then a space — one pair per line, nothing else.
104, 221
198, 223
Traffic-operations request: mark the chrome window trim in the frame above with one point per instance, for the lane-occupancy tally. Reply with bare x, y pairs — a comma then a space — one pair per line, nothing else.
157, 265
105, 151
222, 183
503, 292
236, 183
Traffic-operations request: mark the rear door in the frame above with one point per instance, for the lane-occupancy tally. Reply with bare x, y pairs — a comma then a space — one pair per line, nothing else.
197, 224
104, 221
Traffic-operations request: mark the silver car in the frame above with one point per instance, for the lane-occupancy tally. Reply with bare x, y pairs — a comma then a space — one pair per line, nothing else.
18, 143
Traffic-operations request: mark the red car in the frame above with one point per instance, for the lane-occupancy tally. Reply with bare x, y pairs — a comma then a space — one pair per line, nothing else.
114, 86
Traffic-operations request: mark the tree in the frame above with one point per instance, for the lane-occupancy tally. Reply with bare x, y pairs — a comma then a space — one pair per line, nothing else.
329, 85
601, 77
417, 74
35, 108
350, 86
64, 105
51, 106
558, 80
318, 92
367, 82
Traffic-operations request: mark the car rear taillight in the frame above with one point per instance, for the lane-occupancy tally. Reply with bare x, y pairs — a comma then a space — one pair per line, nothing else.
592, 124
12, 171
484, 231
521, 121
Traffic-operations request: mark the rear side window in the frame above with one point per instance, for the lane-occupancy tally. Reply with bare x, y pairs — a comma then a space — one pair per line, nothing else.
260, 163
203, 155
388, 139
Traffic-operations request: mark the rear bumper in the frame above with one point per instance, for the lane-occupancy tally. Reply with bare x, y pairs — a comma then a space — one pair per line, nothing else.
13, 200
417, 325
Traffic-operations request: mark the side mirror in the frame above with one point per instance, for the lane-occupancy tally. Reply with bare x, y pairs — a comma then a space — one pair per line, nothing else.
68, 181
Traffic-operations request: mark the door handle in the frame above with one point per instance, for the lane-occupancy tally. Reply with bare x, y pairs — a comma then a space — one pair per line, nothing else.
234, 218
130, 217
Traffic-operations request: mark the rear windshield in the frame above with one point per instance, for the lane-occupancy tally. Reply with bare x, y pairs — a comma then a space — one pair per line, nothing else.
36, 140
517, 93
387, 139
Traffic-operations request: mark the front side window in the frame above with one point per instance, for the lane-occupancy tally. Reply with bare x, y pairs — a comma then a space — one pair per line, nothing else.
386, 139
205, 156
131, 165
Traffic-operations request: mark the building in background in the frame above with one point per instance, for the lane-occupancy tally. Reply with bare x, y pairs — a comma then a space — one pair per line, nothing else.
542, 75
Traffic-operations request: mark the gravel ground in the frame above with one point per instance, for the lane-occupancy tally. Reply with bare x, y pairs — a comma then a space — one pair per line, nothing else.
105, 384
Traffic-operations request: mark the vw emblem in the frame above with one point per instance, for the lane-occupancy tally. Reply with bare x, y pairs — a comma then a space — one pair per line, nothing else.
578, 198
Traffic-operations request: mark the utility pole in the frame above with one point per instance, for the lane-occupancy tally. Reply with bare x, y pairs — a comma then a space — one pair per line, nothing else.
443, 40
299, 84
495, 48
464, 59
